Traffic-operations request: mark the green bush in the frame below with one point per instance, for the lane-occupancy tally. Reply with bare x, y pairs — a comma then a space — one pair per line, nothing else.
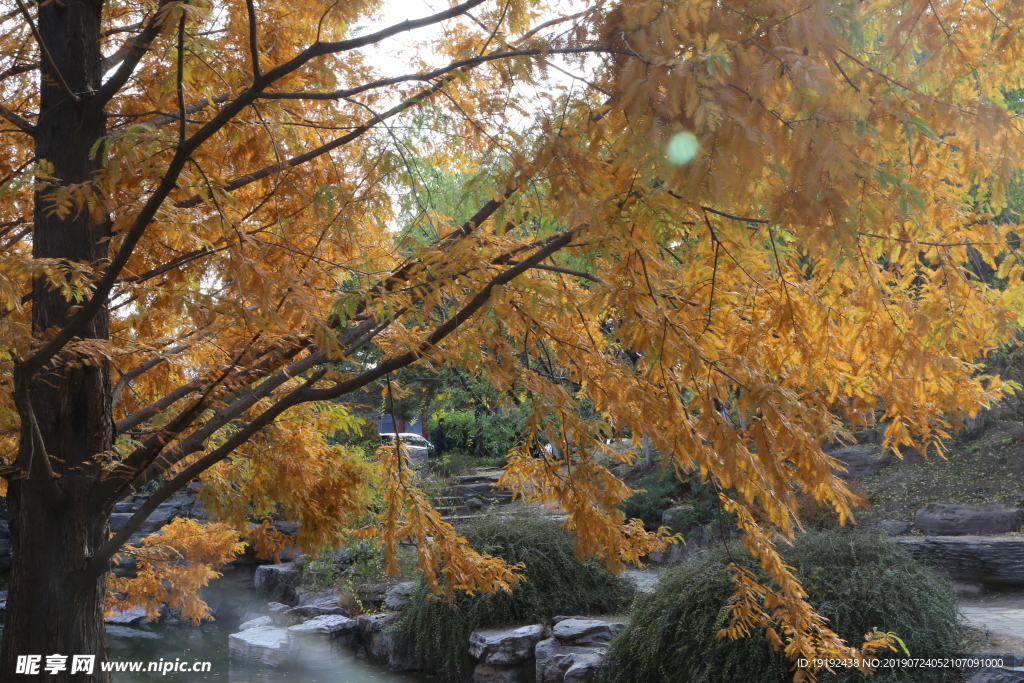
557, 582
484, 435
659, 491
857, 580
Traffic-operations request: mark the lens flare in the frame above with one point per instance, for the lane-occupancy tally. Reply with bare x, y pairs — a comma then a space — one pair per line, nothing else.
682, 148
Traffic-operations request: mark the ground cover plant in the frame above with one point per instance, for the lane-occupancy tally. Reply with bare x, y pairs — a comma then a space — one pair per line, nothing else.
860, 581
557, 582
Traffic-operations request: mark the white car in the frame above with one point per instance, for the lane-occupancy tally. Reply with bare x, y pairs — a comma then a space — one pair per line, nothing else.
418, 446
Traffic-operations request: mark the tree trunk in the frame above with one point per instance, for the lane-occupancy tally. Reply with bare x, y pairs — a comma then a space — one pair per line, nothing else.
53, 606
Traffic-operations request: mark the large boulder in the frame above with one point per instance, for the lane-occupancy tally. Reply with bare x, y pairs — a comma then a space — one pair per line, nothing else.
263, 645
505, 647
581, 631
398, 596
996, 561
383, 646
554, 660
941, 519
861, 460
279, 581
323, 634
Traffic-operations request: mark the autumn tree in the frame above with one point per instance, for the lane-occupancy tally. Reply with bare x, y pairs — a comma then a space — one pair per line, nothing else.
739, 228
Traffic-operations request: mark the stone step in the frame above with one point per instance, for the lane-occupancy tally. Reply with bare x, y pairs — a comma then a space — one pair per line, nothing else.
996, 561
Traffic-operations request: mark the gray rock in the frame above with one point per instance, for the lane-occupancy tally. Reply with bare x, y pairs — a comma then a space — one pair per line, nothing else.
474, 503
372, 593
694, 541
579, 631
892, 527
505, 647
322, 635
383, 647
115, 631
311, 612
127, 617
484, 673
3, 599
861, 460
995, 561
279, 581
999, 675
398, 595
941, 519
555, 659
263, 645
584, 668
678, 519
118, 520
255, 623
326, 599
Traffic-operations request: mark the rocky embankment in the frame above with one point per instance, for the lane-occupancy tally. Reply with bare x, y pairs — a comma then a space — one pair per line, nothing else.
313, 625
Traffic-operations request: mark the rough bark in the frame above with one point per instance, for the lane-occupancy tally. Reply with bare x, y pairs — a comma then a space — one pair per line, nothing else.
53, 606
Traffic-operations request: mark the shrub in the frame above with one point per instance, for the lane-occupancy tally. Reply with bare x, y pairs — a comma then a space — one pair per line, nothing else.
659, 491
557, 582
857, 580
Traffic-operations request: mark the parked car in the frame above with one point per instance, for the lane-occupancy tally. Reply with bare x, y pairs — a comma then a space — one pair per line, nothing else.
418, 446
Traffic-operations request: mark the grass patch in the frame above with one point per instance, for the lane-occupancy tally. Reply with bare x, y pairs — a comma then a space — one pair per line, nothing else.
557, 582
858, 580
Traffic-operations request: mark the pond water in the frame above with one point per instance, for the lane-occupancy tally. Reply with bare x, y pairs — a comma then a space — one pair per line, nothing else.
209, 642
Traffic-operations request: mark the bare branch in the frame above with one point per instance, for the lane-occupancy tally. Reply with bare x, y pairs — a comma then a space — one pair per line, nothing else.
22, 124
454, 66
253, 49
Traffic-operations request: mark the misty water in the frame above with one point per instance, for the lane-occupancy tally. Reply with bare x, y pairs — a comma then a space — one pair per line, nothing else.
209, 642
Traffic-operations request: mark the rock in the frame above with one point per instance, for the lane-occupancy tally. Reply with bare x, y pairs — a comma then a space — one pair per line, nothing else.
995, 561
311, 612
326, 599
326, 630
399, 595
999, 675
678, 519
584, 668
263, 645
279, 581
892, 527
382, 646
861, 460
127, 617
941, 519
505, 647
474, 503
118, 520
372, 593
255, 623
3, 599
554, 659
332, 625
580, 631
694, 541
115, 631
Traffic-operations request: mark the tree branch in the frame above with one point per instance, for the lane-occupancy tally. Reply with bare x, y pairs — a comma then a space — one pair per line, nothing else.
130, 55
443, 71
169, 182
18, 121
253, 49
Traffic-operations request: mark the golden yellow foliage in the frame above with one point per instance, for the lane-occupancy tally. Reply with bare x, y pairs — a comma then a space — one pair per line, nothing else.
171, 567
741, 230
